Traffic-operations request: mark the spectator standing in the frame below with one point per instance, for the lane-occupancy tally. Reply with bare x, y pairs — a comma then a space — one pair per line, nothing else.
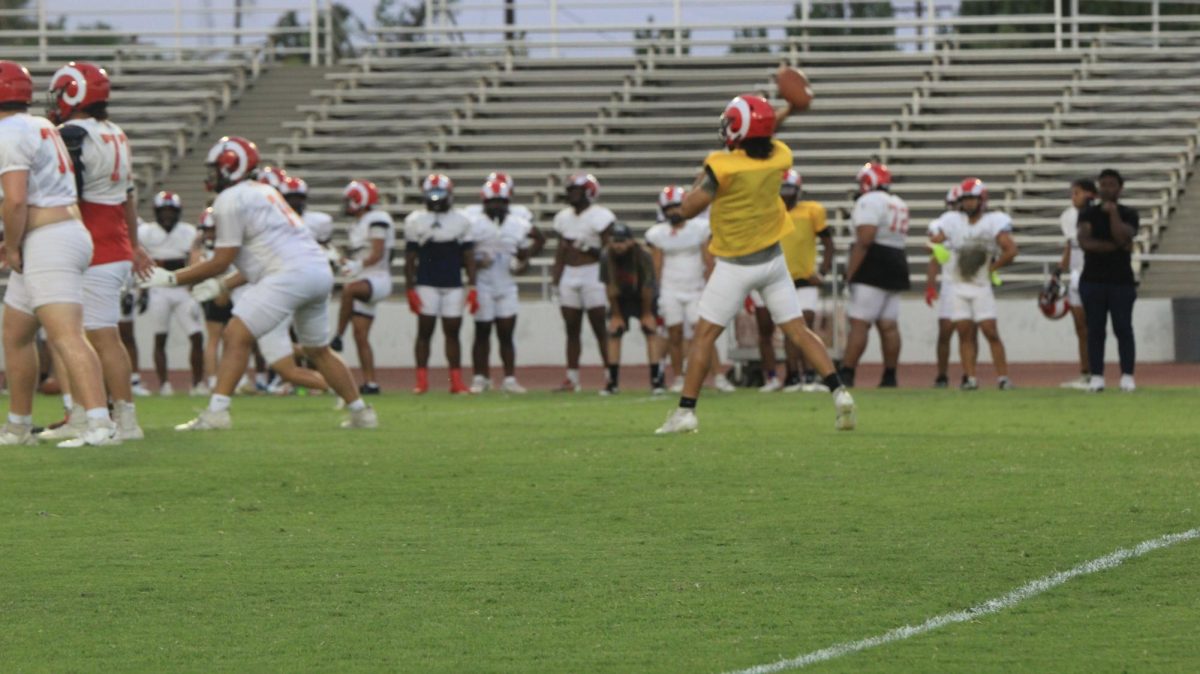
1107, 287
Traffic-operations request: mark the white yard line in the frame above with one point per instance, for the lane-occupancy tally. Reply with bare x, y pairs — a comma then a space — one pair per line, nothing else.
1026, 591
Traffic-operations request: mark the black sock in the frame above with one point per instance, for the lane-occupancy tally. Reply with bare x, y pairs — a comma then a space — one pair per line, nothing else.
655, 372
792, 377
889, 373
810, 376
833, 381
687, 403
614, 373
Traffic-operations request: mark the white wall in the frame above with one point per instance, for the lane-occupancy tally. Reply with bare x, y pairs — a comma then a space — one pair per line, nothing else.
1028, 336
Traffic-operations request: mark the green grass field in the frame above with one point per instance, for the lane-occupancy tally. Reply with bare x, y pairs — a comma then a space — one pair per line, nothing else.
552, 534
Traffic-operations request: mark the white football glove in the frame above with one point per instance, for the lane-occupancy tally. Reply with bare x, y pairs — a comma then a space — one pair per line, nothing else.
331, 252
515, 264
351, 268
158, 278
208, 290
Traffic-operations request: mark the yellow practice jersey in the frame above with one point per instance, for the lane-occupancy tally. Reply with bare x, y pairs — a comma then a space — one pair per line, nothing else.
800, 247
747, 214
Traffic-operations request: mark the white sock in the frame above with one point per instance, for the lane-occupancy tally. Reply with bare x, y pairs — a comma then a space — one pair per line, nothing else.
510, 380
135, 379
98, 414
219, 403
357, 406
573, 376
212, 382
67, 402
20, 419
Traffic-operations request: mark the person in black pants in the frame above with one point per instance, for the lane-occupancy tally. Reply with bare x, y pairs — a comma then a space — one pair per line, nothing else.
1107, 287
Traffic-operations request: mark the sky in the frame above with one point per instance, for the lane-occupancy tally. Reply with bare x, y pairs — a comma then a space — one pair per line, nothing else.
147, 17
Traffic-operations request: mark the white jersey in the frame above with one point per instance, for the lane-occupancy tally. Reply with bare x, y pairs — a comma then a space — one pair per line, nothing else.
978, 241
107, 162
887, 213
475, 210
683, 253
29, 143
163, 245
1070, 230
496, 245
584, 228
371, 226
426, 227
272, 238
319, 225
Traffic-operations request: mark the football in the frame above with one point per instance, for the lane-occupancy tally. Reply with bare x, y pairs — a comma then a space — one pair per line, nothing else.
794, 87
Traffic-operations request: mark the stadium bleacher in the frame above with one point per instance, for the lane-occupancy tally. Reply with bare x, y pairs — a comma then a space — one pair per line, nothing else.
1026, 120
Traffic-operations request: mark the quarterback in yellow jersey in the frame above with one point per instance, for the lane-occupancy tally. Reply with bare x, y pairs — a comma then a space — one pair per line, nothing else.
741, 185
800, 251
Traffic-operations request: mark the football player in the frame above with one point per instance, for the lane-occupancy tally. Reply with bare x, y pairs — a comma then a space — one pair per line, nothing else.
679, 248
582, 229
800, 251
979, 243
748, 220
319, 225
504, 243
99, 152
368, 272
942, 294
878, 271
1083, 191
169, 242
437, 250
48, 249
289, 279
627, 271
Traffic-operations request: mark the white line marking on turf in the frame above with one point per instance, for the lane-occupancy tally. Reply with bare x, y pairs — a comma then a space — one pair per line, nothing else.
1026, 591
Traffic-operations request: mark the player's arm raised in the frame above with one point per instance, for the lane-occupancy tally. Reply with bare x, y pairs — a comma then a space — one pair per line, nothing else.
700, 196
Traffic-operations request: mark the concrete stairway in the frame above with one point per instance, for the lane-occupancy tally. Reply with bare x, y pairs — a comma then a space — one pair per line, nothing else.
1182, 237
257, 115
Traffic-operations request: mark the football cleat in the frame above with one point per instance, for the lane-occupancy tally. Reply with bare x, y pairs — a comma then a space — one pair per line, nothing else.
771, 386
969, 384
568, 386
127, 423
510, 385
208, 420
722, 384
942, 381
75, 426
99, 433
1095, 384
166, 389
480, 384
1079, 384
847, 414
1005, 384
364, 418
12, 434
677, 385
1127, 384
141, 391
680, 420
815, 387
200, 390
369, 388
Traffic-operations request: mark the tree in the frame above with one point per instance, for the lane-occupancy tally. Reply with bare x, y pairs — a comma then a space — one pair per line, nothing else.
838, 10
661, 41
1086, 7
345, 26
391, 14
750, 41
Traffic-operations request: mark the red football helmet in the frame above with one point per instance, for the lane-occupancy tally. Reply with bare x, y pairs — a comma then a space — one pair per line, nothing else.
167, 199
872, 176
16, 86
232, 160
360, 195
953, 195
496, 189
1052, 300
972, 187
671, 195
746, 116
502, 177
74, 87
292, 185
273, 176
206, 219
792, 177
591, 186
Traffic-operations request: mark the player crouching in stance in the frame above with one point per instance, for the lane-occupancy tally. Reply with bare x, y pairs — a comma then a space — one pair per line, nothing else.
980, 242
627, 271
48, 250
169, 242
289, 279
748, 219
504, 242
679, 248
369, 270
437, 247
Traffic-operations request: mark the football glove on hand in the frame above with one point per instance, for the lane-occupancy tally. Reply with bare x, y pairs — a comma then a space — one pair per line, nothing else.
158, 278
473, 300
931, 294
515, 264
332, 254
414, 301
208, 290
748, 303
351, 268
